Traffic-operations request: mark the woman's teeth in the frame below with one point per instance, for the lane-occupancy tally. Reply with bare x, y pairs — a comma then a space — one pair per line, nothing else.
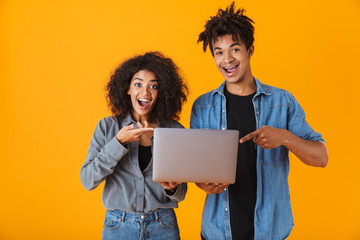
143, 102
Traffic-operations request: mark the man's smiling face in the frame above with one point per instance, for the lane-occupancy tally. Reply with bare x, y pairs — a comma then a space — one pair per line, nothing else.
232, 59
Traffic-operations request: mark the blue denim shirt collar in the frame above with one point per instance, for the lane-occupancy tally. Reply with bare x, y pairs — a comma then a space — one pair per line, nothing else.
260, 88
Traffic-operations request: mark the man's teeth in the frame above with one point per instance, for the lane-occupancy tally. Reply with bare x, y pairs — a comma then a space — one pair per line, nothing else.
227, 68
230, 69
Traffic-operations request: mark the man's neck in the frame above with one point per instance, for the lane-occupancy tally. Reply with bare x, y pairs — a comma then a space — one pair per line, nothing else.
242, 88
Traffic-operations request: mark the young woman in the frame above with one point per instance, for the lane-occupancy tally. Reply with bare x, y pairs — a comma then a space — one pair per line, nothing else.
144, 92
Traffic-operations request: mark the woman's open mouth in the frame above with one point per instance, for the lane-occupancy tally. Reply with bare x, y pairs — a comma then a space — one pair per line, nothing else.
143, 103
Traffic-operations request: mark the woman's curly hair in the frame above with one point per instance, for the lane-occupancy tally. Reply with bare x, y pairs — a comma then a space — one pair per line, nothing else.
229, 21
172, 91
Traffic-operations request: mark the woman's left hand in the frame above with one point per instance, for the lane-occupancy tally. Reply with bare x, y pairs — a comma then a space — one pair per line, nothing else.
169, 185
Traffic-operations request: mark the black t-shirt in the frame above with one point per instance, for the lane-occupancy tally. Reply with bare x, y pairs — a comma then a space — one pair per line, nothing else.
242, 194
145, 156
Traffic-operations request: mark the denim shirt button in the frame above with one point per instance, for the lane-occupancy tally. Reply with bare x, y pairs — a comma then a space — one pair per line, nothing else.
224, 189
257, 113
226, 209
223, 128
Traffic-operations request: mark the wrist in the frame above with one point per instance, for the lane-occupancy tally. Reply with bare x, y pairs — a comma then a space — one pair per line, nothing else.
287, 140
122, 142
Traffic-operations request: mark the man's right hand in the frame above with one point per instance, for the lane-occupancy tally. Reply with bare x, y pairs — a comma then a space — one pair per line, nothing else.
211, 188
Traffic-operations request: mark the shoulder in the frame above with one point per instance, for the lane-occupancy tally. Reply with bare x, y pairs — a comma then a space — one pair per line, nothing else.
207, 99
277, 94
107, 123
174, 124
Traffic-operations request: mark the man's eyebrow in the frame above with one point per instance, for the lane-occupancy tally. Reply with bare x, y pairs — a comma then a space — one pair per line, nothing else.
235, 44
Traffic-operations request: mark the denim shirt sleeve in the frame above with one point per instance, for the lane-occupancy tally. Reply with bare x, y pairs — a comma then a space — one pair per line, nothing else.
102, 157
297, 123
194, 122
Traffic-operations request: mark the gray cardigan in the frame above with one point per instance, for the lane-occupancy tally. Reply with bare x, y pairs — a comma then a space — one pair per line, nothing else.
126, 187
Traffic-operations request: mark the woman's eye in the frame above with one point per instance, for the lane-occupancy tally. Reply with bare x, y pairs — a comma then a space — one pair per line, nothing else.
137, 84
154, 87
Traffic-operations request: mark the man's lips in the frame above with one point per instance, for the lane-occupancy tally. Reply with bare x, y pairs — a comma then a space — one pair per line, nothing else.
230, 69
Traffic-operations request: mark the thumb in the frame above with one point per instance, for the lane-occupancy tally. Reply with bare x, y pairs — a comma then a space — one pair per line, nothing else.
131, 126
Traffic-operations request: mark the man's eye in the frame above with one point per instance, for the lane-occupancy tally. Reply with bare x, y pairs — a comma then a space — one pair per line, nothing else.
236, 50
218, 53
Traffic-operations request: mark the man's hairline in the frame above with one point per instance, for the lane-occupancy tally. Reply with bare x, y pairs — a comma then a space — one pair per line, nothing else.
211, 43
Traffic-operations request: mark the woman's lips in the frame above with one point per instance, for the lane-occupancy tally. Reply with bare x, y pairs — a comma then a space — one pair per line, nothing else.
143, 103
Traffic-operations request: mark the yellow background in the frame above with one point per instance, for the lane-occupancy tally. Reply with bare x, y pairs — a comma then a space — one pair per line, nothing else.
56, 57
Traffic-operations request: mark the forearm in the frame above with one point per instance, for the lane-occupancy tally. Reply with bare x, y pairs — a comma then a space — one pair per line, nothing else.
100, 164
312, 153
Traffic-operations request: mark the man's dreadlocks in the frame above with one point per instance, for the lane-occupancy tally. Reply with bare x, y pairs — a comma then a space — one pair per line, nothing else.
229, 21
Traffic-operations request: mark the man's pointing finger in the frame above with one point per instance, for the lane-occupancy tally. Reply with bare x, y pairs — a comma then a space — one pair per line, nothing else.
249, 136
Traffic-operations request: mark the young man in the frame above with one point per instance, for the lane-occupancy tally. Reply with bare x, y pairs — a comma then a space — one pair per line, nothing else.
271, 123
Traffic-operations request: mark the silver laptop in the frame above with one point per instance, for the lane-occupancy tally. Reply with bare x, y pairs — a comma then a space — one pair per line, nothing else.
195, 155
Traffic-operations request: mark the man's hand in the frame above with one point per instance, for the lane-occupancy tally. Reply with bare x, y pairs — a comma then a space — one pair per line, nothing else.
211, 188
312, 153
267, 137
169, 185
128, 134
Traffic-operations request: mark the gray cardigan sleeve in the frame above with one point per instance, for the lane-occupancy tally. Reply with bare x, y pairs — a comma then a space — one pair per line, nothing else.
179, 194
102, 157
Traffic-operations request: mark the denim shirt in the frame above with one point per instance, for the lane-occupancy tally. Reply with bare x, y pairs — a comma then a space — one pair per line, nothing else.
126, 187
273, 216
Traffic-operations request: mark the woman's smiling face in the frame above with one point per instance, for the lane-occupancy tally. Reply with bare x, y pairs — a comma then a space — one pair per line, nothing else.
143, 92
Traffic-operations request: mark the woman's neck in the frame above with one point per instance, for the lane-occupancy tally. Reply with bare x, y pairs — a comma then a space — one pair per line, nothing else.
143, 119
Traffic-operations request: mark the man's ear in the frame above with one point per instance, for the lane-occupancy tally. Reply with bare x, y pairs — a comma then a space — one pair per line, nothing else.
251, 51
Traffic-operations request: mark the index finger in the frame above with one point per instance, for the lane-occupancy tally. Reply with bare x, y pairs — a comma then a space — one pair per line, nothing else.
142, 130
249, 136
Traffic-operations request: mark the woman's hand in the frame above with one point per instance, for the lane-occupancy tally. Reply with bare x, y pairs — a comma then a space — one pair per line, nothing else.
169, 185
128, 134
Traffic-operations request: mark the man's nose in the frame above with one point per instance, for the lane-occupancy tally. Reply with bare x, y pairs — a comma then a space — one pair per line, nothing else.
228, 57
